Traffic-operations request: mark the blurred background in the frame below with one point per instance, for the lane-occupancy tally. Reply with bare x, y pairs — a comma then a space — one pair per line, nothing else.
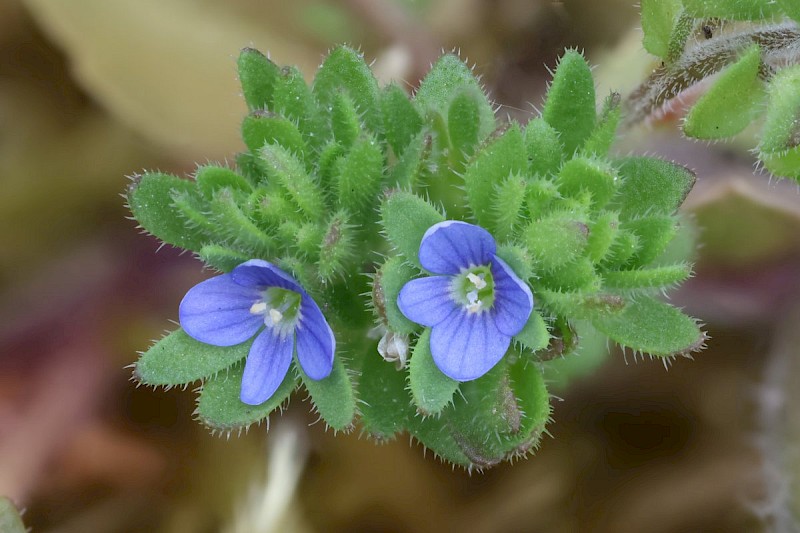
92, 91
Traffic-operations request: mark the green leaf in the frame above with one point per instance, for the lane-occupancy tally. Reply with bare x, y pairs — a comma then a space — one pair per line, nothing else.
211, 178
359, 175
605, 133
410, 165
464, 120
178, 359
535, 335
778, 148
435, 433
502, 157
384, 400
570, 103
654, 234
431, 390
555, 239
345, 70
260, 128
602, 233
345, 124
290, 173
386, 285
220, 408
10, 521
517, 258
544, 149
238, 228
577, 275
540, 196
293, 100
651, 185
576, 304
658, 19
592, 175
257, 75
785, 163
652, 327
332, 396
447, 77
732, 9
791, 8
150, 198
221, 258
732, 103
401, 120
657, 277
533, 402
406, 218
337, 248
508, 199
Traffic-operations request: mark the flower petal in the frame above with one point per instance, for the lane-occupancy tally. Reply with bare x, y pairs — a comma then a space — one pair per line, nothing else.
266, 366
315, 341
513, 300
426, 301
449, 246
261, 274
466, 345
217, 311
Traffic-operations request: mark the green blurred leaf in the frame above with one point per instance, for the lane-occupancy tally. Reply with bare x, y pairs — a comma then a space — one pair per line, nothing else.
658, 19
732, 9
221, 258
10, 521
656, 277
732, 103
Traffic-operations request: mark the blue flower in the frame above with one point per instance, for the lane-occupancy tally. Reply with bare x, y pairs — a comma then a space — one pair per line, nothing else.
474, 307
229, 309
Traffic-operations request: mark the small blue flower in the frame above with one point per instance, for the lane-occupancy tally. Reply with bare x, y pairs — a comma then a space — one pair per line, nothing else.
229, 309
474, 307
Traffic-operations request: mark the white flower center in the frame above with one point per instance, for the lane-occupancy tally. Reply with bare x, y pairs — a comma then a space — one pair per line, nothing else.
279, 308
477, 280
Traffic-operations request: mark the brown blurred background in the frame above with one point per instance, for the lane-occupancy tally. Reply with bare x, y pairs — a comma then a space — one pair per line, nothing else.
92, 91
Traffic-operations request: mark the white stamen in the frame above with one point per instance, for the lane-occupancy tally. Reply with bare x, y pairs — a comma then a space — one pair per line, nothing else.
474, 304
258, 308
275, 315
476, 280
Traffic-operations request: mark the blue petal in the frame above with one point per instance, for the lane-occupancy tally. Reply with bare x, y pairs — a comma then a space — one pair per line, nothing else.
217, 311
513, 300
449, 246
426, 301
466, 346
266, 366
261, 274
315, 341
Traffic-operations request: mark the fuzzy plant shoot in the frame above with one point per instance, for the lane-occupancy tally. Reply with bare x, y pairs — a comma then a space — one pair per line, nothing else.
410, 261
